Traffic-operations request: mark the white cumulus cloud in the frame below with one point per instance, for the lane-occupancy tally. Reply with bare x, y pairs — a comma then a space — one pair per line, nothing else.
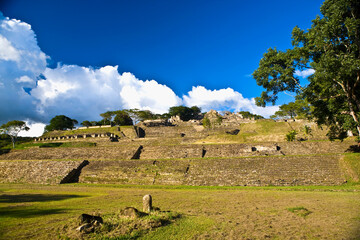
21, 61
224, 99
84, 93
304, 73
148, 95
36, 129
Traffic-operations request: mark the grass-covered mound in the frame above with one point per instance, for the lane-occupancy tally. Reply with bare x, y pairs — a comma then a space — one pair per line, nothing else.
124, 224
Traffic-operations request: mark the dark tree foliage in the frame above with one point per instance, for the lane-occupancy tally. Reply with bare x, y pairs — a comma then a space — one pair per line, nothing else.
122, 118
331, 47
185, 113
60, 122
86, 123
250, 115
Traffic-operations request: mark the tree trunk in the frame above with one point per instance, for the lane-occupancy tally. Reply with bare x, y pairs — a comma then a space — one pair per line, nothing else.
352, 111
13, 141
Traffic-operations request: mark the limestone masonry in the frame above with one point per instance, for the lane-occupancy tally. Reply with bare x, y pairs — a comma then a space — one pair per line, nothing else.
156, 153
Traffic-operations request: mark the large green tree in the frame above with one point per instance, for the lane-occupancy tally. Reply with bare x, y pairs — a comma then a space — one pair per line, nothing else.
107, 117
330, 50
185, 113
140, 115
122, 118
12, 128
60, 122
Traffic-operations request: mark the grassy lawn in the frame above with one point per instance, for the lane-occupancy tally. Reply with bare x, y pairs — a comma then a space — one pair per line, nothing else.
50, 212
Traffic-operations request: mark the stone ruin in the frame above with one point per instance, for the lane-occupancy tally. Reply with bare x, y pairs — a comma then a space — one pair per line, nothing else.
77, 136
227, 119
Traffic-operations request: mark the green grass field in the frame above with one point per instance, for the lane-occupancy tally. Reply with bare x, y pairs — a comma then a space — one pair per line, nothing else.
50, 212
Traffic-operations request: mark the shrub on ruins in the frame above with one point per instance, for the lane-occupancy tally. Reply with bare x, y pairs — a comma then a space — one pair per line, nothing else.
291, 136
122, 118
206, 122
12, 129
185, 113
250, 115
60, 122
328, 55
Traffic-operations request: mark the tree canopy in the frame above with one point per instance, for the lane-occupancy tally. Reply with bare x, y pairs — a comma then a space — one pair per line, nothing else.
330, 50
12, 128
61, 122
107, 117
247, 114
185, 113
297, 109
86, 123
122, 118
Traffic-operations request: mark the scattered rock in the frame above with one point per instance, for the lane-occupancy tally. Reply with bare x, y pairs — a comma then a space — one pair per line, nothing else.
233, 132
130, 212
86, 218
89, 223
147, 203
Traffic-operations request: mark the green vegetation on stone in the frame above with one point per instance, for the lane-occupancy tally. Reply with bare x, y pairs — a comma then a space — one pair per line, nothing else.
248, 115
291, 136
185, 113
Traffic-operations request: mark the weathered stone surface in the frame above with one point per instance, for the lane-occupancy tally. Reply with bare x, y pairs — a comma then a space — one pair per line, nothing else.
147, 203
130, 212
89, 223
86, 218
116, 152
233, 132
156, 123
73, 175
40, 172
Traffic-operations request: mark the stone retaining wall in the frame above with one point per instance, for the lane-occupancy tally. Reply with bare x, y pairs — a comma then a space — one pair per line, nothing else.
260, 171
127, 151
255, 171
41, 172
118, 152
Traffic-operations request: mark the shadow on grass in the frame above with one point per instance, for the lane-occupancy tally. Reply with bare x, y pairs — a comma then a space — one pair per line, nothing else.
354, 149
20, 198
24, 212
49, 145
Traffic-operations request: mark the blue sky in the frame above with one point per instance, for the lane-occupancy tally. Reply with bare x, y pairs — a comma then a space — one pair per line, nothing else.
179, 44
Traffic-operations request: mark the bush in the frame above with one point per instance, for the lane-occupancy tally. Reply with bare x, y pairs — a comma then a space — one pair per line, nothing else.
206, 123
307, 130
291, 136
